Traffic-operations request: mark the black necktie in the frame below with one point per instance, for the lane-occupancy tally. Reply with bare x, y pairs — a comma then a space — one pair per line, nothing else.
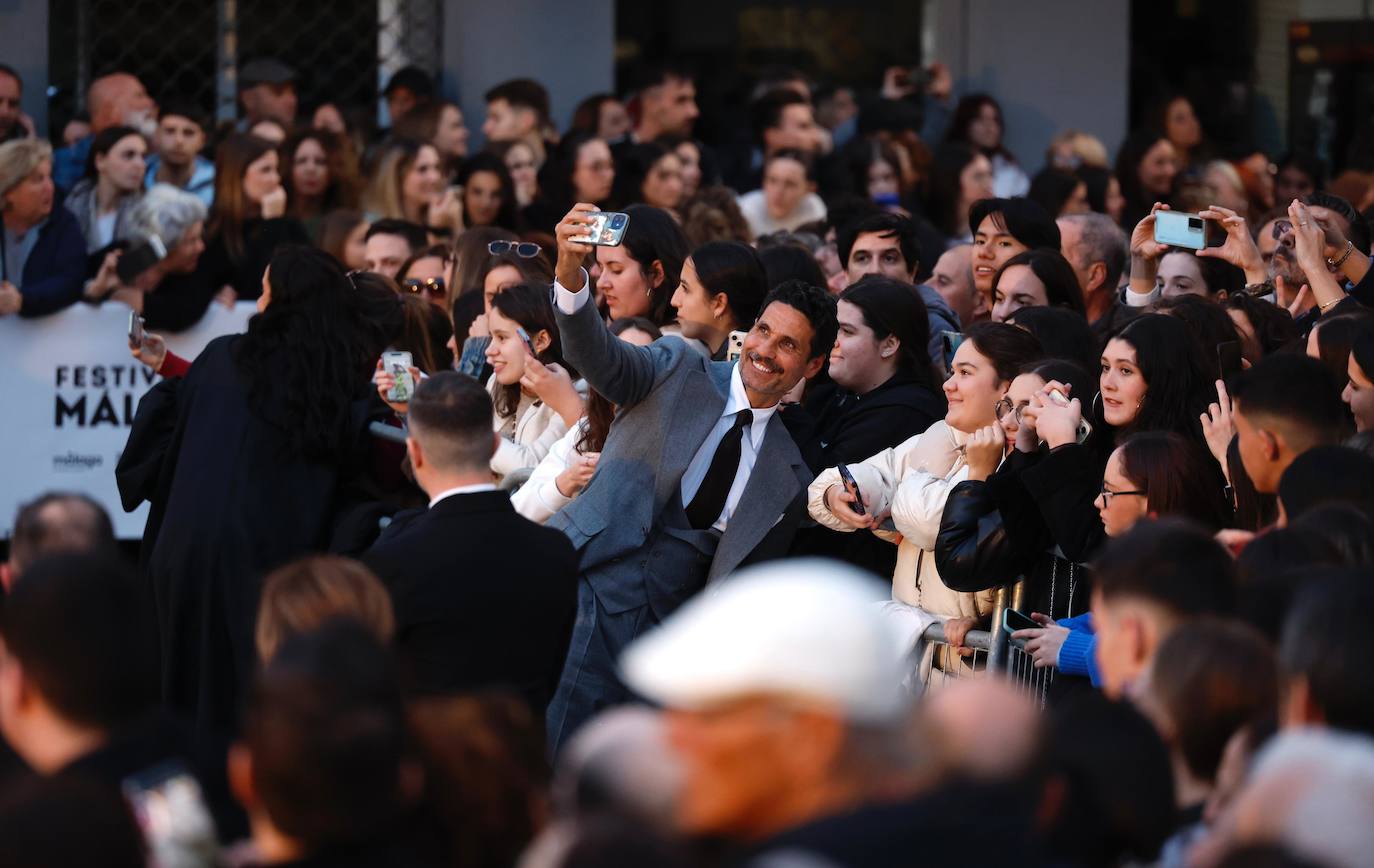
710, 498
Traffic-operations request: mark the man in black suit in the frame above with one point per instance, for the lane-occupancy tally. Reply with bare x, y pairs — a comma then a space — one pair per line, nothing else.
483, 597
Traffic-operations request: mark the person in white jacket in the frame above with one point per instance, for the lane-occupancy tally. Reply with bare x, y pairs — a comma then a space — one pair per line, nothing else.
910, 483
572, 461
535, 399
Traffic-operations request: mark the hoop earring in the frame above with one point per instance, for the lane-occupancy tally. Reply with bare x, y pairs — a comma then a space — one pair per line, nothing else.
1096, 405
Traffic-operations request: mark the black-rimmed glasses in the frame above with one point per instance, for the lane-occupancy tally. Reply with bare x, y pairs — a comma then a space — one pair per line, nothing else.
522, 249
1108, 494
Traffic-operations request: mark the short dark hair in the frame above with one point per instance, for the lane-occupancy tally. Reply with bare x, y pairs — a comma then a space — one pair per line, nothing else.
790, 261
658, 72
1327, 642
73, 621
817, 305
38, 816
885, 225
1359, 226
1171, 562
1053, 270
184, 108
1023, 220
522, 93
766, 112
6, 69
895, 307
325, 728
734, 269
1296, 393
805, 160
1008, 347
413, 79
450, 415
60, 521
413, 233
1051, 189
1212, 677
1328, 473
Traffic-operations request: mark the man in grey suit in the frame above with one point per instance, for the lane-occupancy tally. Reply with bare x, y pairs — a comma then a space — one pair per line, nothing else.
698, 476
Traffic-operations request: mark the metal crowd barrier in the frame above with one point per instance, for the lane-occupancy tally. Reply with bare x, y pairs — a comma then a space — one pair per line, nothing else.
993, 652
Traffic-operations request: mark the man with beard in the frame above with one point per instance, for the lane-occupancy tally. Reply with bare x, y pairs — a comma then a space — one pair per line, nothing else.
698, 476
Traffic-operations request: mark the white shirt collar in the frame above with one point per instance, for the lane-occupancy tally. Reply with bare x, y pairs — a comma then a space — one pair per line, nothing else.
739, 400
462, 489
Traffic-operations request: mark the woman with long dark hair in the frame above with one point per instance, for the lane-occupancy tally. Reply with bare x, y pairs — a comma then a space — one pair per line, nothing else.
1153, 378
720, 290
1146, 167
959, 177
245, 461
977, 122
569, 466
248, 221
320, 175
112, 185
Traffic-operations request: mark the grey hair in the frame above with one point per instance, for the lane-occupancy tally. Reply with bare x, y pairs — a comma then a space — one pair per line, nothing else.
167, 212
1103, 241
18, 159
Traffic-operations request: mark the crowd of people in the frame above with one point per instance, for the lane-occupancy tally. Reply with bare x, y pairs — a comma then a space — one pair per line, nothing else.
489, 543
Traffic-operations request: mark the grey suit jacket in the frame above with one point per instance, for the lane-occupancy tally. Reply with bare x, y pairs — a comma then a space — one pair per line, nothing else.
669, 398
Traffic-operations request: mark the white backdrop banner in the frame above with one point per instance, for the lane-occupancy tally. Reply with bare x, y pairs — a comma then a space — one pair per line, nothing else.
69, 390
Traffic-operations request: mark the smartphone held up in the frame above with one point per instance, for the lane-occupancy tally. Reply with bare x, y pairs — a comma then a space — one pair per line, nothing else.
1182, 229
607, 228
398, 363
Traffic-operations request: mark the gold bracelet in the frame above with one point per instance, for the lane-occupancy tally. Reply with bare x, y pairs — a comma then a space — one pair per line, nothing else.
1323, 308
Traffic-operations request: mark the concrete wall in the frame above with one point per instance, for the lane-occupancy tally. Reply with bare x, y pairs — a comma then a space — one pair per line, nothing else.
24, 46
569, 47
1052, 64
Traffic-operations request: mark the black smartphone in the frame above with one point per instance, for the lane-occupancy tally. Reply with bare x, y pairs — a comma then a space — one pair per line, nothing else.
1014, 620
135, 330
852, 487
1228, 358
949, 342
134, 262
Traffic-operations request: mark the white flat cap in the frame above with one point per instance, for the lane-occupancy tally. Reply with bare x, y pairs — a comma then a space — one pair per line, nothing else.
809, 628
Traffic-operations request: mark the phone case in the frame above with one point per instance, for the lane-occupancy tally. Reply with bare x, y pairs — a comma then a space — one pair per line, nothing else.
608, 228
398, 365
1180, 229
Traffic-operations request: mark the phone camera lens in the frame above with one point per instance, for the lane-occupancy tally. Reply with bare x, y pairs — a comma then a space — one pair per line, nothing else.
617, 221
1194, 222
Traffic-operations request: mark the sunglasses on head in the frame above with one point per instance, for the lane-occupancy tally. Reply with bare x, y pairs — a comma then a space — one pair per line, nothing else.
522, 249
434, 286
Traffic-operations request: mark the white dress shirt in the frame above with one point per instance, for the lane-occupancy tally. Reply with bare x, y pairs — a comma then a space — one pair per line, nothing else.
462, 489
570, 302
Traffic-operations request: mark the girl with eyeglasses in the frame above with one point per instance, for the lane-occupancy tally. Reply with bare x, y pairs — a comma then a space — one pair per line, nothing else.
1154, 474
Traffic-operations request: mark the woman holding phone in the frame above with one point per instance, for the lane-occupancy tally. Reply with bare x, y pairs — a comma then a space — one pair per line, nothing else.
911, 482
272, 423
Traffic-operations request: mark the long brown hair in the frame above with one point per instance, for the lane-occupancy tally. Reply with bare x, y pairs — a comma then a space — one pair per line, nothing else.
235, 154
344, 183
384, 195
600, 410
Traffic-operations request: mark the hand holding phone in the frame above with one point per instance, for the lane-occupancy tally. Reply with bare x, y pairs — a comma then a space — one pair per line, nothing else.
398, 363
847, 479
135, 330
1013, 620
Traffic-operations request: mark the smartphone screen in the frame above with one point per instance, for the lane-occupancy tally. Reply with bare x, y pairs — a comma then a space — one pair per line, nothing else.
1014, 620
852, 487
1228, 358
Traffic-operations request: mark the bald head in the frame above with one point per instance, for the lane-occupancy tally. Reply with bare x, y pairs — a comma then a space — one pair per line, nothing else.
58, 523
119, 99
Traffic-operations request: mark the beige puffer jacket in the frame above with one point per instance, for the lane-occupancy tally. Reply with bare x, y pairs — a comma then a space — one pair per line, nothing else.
911, 482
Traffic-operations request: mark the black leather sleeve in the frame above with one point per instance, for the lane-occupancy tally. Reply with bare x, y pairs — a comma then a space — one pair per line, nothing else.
974, 551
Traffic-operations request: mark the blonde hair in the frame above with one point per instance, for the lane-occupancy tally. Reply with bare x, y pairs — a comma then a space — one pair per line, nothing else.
18, 159
302, 595
383, 197
1087, 149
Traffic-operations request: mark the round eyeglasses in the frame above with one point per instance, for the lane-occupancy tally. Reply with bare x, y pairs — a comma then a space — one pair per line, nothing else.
522, 249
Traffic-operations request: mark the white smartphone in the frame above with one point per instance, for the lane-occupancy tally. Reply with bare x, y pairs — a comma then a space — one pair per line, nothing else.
735, 345
398, 364
607, 229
